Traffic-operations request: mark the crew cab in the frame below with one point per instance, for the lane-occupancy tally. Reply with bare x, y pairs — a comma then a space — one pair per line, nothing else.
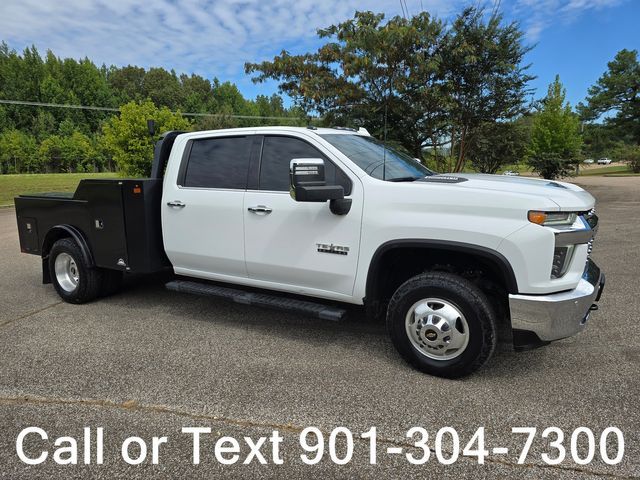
312, 219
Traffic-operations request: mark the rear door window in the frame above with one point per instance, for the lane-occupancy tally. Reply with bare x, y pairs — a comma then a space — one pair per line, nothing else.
218, 163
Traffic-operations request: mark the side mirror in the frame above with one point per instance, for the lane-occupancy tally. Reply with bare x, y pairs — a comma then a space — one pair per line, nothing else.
307, 181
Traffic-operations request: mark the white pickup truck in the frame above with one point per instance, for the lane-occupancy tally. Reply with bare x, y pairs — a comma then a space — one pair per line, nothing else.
311, 219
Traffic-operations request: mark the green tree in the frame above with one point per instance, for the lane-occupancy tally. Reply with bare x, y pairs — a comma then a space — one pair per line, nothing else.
414, 79
598, 140
555, 135
221, 119
197, 94
68, 153
43, 124
629, 154
163, 88
51, 153
126, 83
381, 75
29, 77
485, 76
230, 101
618, 90
496, 144
127, 138
21, 78
78, 153
18, 153
104, 154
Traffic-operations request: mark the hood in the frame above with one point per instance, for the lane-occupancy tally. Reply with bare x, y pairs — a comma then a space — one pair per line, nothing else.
565, 195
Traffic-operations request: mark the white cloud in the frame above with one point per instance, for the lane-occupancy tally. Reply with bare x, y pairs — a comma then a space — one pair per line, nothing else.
209, 36
538, 15
216, 37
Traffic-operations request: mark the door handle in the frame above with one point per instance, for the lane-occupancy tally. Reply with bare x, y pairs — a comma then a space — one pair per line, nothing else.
260, 210
177, 204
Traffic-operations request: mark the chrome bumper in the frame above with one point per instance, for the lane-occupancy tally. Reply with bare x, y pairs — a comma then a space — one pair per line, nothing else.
558, 315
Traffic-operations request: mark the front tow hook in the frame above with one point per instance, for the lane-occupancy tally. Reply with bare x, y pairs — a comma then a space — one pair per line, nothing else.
592, 308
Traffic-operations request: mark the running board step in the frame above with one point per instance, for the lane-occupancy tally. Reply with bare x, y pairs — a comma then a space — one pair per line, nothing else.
319, 310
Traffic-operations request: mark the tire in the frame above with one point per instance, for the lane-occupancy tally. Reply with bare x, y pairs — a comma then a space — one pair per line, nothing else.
111, 282
73, 278
442, 324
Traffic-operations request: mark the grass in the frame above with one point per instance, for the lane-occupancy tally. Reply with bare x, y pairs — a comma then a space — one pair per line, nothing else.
517, 167
617, 169
13, 185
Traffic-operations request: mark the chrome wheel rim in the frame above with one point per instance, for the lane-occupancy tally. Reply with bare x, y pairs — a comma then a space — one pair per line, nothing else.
437, 329
67, 273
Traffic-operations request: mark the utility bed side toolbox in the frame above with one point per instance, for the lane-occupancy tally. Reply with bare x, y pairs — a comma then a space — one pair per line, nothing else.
119, 218
28, 233
143, 225
105, 232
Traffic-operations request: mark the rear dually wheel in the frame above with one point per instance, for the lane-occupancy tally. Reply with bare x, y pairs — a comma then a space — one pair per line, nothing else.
73, 278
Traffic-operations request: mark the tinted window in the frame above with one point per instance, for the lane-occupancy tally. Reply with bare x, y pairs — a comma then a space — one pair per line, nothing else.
218, 163
378, 160
277, 153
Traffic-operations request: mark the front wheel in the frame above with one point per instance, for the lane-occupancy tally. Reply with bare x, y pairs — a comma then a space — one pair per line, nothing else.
442, 324
73, 278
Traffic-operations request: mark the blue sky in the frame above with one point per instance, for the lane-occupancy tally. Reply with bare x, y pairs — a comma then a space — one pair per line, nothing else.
573, 38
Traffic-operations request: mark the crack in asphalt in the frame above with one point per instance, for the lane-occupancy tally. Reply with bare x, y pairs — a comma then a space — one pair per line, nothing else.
27, 315
133, 405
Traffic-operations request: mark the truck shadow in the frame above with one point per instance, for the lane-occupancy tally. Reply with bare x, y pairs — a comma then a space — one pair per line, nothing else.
356, 331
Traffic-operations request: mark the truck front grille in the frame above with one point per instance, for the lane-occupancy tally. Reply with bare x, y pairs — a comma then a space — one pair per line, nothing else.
592, 219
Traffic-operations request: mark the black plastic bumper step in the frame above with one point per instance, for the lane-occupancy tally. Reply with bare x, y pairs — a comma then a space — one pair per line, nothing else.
319, 310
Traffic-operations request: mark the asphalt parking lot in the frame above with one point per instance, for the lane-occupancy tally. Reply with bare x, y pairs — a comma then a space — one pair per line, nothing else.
147, 362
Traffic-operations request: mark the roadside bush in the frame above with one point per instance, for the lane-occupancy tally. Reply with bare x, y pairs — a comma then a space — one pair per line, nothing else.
629, 154
127, 138
552, 166
50, 153
18, 153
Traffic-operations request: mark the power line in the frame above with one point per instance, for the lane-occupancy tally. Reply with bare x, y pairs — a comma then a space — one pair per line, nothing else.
402, 8
41, 104
110, 109
406, 8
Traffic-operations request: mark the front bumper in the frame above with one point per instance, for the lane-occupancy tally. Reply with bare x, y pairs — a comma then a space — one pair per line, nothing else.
557, 315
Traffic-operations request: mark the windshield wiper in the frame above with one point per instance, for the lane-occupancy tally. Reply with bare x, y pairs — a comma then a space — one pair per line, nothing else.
403, 179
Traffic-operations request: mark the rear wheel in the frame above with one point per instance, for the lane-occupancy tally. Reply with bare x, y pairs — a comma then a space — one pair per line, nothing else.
73, 278
442, 324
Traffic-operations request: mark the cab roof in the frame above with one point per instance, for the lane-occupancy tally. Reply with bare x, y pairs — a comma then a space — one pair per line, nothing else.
281, 128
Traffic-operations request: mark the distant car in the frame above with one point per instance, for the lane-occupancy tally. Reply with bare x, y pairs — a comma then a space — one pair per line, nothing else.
511, 173
604, 161
589, 161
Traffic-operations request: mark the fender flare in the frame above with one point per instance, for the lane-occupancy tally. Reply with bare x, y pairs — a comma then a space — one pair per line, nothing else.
56, 233
494, 257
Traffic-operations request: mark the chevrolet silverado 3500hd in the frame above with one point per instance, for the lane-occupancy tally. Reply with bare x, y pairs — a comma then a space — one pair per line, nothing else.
287, 214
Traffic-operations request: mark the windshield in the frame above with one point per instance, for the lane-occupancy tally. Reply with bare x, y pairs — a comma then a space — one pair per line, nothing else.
384, 163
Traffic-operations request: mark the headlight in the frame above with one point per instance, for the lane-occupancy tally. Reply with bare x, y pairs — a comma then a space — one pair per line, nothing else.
552, 218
